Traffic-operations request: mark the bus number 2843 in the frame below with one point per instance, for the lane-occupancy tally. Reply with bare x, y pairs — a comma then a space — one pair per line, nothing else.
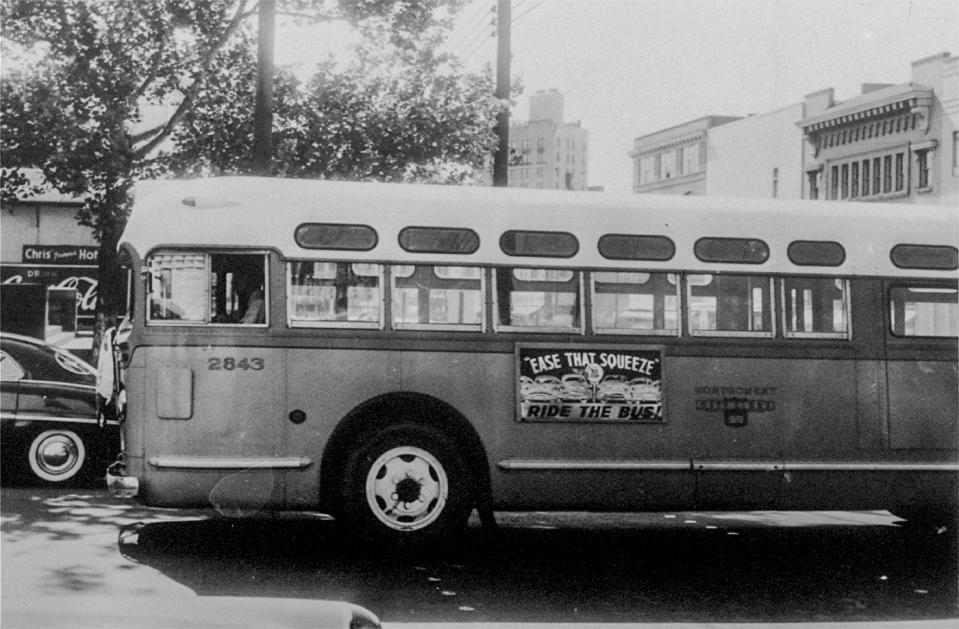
229, 364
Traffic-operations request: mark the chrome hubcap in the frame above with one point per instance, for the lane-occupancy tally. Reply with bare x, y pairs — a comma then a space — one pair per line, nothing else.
407, 488
57, 454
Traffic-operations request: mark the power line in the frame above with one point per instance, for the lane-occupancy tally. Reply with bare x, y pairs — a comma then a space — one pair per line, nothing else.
479, 19
527, 11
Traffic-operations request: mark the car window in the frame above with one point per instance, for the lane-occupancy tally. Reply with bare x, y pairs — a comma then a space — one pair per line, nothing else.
50, 364
10, 371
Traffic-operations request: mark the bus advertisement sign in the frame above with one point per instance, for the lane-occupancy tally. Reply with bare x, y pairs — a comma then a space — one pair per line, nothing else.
576, 383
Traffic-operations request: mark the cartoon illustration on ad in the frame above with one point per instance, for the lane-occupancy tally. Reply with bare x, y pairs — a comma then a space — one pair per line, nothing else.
587, 384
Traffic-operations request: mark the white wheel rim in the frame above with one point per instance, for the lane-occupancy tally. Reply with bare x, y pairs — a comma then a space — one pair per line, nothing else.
407, 488
57, 455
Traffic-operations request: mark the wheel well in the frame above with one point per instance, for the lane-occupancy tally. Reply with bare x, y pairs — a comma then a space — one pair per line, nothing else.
384, 410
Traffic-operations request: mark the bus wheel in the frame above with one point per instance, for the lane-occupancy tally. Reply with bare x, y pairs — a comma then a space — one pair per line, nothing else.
57, 455
406, 485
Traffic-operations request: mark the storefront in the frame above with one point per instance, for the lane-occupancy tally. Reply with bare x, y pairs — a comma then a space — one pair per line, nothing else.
53, 261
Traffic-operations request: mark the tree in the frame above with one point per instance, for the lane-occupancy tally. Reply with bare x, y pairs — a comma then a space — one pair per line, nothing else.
395, 113
71, 110
74, 109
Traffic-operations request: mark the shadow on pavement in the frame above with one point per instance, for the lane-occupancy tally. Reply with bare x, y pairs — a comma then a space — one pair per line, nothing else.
581, 568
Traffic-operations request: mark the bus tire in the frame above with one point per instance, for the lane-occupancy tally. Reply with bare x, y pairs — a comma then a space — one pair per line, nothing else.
405, 485
56, 456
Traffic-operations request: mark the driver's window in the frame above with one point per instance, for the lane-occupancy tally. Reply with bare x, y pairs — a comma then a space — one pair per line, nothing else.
199, 288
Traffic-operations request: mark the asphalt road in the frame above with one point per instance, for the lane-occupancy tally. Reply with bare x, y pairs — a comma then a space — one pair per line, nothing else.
537, 568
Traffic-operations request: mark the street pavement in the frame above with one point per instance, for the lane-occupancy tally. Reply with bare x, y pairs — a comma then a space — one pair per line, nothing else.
572, 570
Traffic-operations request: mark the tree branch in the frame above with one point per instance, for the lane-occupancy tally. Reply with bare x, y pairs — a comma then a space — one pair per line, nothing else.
191, 93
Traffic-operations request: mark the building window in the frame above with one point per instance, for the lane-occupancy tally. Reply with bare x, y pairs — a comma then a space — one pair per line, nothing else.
900, 175
646, 166
691, 159
813, 177
667, 164
865, 177
887, 173
854, 180
955, 153
876, 175
922, 166
834, 182
845, 181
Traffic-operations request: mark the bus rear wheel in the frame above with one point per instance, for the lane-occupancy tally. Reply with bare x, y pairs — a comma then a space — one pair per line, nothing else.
405, 485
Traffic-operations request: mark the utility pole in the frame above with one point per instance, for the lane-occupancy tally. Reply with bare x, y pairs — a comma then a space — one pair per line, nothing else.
501, 154
263, 109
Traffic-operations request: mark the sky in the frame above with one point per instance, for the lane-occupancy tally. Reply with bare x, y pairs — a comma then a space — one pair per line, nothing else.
627, 68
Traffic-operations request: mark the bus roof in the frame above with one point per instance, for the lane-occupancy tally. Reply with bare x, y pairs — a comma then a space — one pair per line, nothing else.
264, 213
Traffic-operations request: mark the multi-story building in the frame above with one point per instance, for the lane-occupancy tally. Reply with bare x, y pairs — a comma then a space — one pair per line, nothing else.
757, 156
673, 161
893, 143
546, 152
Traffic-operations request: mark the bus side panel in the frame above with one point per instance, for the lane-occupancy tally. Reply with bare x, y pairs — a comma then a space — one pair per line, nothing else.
214, 445
923, 405
326, 384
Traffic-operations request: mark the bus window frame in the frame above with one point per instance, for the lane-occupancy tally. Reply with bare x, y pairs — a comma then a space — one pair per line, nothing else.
847, 310
292, 323
579, 330
439, 327
678, 332
686, 310
207, 321
906, 284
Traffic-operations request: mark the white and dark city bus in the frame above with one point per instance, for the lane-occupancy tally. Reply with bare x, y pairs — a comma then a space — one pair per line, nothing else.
398, 355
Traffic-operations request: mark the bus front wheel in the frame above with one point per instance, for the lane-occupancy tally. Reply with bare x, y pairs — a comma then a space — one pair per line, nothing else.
406, 485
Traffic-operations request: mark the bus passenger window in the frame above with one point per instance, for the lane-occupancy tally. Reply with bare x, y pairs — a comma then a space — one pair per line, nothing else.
815, 307
729, 305
446, 297
636, 303
924, 311
221, 288
538, 299
335, 293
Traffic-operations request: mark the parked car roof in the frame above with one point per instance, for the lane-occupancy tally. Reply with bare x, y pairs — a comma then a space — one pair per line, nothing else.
42, 361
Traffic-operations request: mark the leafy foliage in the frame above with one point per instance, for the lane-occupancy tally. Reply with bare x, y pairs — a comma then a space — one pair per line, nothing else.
391, 115
75, 108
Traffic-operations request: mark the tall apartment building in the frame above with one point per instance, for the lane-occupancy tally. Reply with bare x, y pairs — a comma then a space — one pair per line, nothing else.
545, 151
673, 160
894, 143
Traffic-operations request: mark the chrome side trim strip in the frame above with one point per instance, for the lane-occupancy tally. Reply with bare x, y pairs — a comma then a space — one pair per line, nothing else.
228, 463
738, 466
27, 417
572, 465
542, 465
890, 466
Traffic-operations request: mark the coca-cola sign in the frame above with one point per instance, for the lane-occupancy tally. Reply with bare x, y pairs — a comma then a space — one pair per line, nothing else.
83, 279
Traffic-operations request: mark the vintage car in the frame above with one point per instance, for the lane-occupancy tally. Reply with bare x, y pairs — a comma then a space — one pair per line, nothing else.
545, 389
48, 414
575, 388
643, 390
612, 388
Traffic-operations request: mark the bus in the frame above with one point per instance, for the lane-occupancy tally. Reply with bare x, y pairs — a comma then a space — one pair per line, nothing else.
420, 352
